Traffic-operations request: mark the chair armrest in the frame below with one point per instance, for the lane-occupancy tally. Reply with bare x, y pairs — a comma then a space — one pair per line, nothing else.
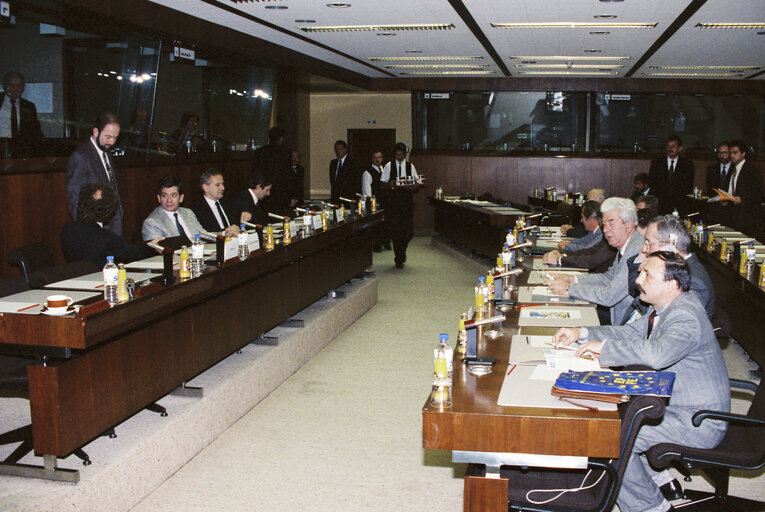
743, 384
728, 417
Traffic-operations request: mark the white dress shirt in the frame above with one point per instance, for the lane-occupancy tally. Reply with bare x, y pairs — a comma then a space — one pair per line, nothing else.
734, 177
399, 169
185, 227
5, 117
101, 155
366, 182
223, 223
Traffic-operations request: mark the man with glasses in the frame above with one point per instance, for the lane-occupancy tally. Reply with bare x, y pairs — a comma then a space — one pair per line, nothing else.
718, 175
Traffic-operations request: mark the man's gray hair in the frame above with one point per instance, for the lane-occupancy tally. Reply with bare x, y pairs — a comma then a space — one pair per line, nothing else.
670, 230
596, 194
627, 210
206, 176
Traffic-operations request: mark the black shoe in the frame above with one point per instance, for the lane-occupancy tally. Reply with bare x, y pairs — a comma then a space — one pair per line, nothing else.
399, 265
386, 247
672, 490
377, 248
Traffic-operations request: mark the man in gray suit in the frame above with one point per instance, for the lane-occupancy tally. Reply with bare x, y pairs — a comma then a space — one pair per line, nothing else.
169, 219
92, 162
676, 337
611, 288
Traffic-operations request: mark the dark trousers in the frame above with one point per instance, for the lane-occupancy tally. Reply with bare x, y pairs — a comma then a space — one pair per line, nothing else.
398, 216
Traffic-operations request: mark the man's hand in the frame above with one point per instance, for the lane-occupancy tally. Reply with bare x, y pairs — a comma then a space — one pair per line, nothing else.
231, 231
551, 258
564, 229
736, 200
565, 336
156, 241
245, 217
557, 287
562, 245
591, 347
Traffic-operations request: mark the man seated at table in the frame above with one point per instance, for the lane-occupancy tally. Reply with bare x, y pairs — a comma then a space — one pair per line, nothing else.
211, 209
249, 204
596, 194
591, 252
675, 337
667, 233
648, 201
609, 289
169, 219
87, 239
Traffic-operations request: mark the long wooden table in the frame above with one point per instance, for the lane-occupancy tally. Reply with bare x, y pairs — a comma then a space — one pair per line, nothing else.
475, 423
106, 364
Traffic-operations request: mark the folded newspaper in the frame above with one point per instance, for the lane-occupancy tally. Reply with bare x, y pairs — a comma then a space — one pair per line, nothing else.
613, 387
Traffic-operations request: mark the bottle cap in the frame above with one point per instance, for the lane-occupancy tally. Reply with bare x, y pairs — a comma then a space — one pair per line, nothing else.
443, 337
481, 279
242, 226
110, 259
197, 237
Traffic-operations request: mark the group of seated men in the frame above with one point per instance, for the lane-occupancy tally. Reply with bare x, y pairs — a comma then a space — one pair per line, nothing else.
659, 301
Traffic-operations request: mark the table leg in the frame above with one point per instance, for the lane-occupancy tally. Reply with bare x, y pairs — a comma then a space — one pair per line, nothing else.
484, 491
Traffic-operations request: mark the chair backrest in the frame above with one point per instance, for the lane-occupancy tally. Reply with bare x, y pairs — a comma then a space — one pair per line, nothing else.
747, 442
30, 258
40, 278
11, 285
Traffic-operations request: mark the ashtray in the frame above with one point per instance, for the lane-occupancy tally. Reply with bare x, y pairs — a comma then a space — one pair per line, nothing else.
479, 369
493, 335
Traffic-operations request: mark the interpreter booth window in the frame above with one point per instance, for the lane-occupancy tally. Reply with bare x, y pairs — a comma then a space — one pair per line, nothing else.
117, 76
503, 121
206, 105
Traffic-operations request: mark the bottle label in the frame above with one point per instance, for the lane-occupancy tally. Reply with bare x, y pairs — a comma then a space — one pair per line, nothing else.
197, 251
243, 239
111, 276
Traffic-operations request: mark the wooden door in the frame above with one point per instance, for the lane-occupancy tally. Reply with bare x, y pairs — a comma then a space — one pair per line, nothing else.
362, 142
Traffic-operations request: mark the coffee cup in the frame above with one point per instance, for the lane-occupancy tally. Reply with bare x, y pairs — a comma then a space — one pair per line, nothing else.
59, 303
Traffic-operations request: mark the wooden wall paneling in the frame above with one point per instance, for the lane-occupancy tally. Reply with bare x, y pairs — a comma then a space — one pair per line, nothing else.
623, 174
483, 494
451, 172
497, 176
582, 174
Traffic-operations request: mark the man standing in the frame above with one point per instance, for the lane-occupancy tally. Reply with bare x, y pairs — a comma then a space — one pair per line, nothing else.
297, 180
611, 288
675, 337
718, 175
250, 201
169, 219
92, 162
211, 209
18, 117
398, 202
745, 185
344, 178
370, 186
275, 160
671, 176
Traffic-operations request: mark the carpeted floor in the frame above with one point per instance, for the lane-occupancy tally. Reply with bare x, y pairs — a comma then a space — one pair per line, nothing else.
344, 432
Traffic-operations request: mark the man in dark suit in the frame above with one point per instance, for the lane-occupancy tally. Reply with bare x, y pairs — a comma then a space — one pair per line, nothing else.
212, 209
745, 185
671, 177
641, 186
344, 177
275, 160
92, 162
249, 204
86, 237
18, 117
297, 181
718, 175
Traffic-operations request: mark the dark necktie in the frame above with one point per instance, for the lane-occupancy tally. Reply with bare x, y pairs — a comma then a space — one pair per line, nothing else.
223, 219
339, 168
108, 169
14, 121
651, 319
181, 231
671, 169
723, 174
618, 257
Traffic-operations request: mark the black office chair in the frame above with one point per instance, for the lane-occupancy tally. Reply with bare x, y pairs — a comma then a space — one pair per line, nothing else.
11, 285
743, 447
29, 258
607, 473
53, 274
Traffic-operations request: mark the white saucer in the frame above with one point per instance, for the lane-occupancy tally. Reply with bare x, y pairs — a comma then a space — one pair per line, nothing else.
67, 311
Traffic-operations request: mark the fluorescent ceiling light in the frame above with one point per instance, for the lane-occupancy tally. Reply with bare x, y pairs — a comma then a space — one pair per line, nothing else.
565, 57
579, 73
573, 24
696, 75
473, 67
706, 68
422, 58
567, 66
487, 72
379, 28
731, 25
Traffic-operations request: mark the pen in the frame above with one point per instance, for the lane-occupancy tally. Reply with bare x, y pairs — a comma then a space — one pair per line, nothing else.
28, 307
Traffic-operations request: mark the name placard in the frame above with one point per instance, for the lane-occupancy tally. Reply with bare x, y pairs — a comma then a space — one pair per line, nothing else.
231, 249
339, 215
253, 241
317, 222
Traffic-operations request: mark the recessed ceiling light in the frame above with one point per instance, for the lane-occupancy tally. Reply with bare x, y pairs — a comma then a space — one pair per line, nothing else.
564, 73
472, 67
731, 25
379, 28
696, 75
707, 68
592, 50
605, 16
276, 7
414, 51
569, 66
422, 58
484, 72
338, 5
305, 21
600, 33
566, 57
573, 24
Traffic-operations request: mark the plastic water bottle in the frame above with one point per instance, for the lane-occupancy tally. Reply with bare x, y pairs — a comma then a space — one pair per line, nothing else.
307, 222
443, 356
751, 253
510, 238
244, 243
197, 257
111, 280
675, 213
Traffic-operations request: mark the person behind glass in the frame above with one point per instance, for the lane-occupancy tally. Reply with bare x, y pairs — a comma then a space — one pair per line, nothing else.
297, 180
250, 203
745, 185
92, 162
641, 186
87, 239
370, 186
135, 137
186, 138
671, 176
275, 160
212, 210
169, 219
344, 178
398, 202
18, 117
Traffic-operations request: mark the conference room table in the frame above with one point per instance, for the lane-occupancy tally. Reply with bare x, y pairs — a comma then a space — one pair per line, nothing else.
98, 366
486, 435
